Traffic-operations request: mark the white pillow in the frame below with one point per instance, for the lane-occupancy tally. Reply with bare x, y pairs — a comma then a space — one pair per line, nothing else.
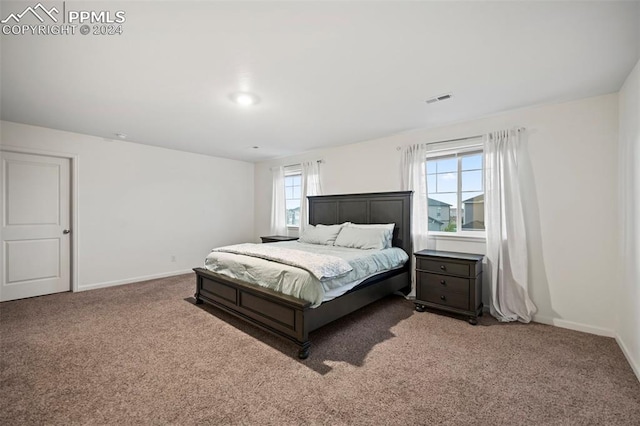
362, 238
321, 234
387, 226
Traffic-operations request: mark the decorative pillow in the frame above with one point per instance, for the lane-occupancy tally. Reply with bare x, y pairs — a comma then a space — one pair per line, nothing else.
321, 234
362, 238
387, 226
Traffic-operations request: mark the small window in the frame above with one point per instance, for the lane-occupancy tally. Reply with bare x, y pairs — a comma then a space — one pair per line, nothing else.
455, 186
292, 186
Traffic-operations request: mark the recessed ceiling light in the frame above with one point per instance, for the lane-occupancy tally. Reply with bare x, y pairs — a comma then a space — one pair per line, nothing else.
121, 135
244, 98
255, 147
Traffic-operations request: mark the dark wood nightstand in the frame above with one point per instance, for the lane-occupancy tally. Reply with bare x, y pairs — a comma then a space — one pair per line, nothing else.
277, 238
450, 282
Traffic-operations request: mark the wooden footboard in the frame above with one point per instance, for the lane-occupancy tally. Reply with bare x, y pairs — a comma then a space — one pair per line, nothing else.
287, 316
275, 312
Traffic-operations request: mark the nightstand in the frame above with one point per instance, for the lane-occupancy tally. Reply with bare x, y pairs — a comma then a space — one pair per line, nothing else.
277, 238
450, 282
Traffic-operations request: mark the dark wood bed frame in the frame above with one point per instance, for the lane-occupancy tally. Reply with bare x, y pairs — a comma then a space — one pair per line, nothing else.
293, 318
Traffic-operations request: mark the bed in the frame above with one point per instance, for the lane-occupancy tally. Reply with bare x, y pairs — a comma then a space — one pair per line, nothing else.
293, 318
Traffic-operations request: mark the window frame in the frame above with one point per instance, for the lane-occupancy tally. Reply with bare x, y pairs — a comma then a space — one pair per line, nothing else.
288, 172
475, 148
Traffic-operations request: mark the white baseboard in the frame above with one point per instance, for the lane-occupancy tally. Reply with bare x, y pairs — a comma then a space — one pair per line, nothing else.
627, 354
132, 280
574, 326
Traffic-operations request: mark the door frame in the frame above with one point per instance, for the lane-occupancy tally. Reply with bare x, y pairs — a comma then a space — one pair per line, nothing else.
73, 208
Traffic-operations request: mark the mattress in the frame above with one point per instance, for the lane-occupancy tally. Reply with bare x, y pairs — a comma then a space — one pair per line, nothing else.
300, 283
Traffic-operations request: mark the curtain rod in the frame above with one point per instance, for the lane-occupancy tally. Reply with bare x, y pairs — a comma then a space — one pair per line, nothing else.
518, 129
448, 140
296, 164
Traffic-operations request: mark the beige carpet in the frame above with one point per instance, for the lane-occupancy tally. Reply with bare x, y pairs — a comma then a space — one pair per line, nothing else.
144, 354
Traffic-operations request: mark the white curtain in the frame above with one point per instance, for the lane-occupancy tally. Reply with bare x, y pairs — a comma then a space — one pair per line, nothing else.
278, 203
310, 185
414, 178
506, 237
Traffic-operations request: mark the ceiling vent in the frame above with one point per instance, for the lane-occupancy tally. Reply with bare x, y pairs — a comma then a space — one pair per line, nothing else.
439, 98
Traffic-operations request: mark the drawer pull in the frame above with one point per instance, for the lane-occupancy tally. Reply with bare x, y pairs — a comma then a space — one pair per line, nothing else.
443, 297
443, 282
444, 268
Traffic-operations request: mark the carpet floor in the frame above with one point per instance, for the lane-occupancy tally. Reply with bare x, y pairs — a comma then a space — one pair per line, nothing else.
145, 354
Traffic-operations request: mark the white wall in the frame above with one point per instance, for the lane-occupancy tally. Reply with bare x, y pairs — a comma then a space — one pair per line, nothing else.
570, 180
139, 205
628, 306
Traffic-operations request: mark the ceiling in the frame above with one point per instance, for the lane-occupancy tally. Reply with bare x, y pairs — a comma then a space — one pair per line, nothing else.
326, 73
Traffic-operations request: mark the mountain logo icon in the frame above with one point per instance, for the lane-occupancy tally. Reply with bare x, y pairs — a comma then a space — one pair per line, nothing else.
37, 11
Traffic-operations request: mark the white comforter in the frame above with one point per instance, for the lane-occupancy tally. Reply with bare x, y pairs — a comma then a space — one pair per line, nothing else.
300, 283
322, 266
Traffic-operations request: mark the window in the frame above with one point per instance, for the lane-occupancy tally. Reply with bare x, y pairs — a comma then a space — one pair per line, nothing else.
455, 185
292, 187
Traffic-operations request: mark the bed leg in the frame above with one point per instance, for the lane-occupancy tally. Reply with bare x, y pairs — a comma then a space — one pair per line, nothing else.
303, 353
198, 300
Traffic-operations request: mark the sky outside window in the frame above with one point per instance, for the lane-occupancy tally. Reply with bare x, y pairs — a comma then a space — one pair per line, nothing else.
292, 188
443, 186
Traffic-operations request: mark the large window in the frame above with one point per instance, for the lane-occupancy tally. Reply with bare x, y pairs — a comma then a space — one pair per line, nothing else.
292, 184
455, 186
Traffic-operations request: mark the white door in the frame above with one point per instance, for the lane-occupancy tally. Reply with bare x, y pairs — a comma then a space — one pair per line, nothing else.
35, 204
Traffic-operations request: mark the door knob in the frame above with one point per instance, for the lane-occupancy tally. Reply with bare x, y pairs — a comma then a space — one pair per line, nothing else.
66, 231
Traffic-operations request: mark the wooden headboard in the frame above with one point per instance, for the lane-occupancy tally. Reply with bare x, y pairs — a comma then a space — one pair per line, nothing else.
379, 207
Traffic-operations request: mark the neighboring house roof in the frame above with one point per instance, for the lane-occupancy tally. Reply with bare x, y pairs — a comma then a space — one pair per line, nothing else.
433, 220
476, 199
437, 203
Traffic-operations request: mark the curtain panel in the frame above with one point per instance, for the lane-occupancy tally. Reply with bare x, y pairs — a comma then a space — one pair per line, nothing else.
278, 203
310, 185
507, 255
414, 168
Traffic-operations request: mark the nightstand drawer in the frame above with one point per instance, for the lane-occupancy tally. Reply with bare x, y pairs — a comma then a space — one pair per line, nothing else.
443, 282
446, 298
443, 267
